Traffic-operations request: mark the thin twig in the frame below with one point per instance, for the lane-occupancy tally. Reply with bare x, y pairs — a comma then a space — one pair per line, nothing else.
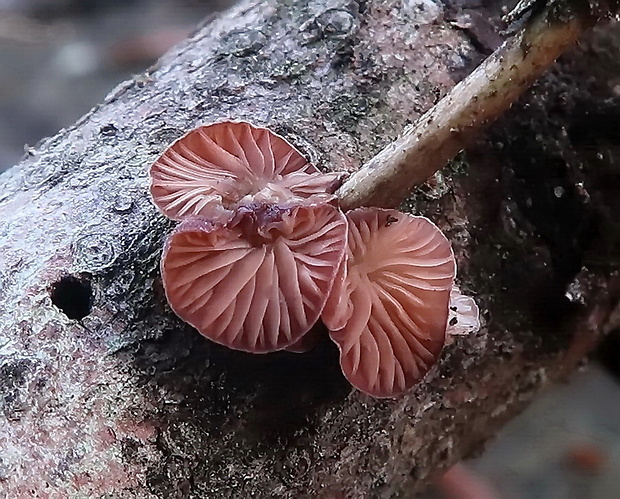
455, 120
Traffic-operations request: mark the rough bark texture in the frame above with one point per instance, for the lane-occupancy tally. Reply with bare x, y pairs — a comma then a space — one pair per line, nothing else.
130, 402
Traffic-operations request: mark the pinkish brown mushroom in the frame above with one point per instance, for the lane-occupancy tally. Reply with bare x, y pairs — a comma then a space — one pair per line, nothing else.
259, 282
388, 309
211, 170
308, 341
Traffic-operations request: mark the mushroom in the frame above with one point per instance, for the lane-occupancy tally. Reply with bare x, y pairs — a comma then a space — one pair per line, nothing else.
261, 253
388, 308
259, 282
308, 341
209, 171
464, 314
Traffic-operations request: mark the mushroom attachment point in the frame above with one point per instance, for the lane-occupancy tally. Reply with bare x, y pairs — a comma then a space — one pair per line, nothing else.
388, 308
259, 282
213, 169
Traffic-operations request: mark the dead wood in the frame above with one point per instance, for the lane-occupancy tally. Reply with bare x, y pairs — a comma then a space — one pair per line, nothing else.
104, 391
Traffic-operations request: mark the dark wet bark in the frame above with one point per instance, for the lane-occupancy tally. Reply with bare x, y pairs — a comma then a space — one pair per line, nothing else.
111, 394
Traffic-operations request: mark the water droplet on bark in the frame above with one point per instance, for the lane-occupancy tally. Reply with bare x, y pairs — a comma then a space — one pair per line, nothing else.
122, 203
336, 23
41, 173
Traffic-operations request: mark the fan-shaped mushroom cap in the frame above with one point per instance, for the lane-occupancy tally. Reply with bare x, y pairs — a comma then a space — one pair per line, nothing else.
387, 310
260, 282
212, 169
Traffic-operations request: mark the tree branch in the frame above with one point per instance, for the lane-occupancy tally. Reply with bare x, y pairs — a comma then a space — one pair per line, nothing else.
459, 117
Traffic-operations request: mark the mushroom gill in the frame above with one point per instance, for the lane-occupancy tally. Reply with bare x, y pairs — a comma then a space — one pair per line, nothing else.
388, 309
209, 171
259, 282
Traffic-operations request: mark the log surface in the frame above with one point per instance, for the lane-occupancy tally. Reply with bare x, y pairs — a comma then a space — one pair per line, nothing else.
116, 397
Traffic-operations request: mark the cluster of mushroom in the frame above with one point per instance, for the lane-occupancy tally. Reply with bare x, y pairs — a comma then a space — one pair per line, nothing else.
263, 252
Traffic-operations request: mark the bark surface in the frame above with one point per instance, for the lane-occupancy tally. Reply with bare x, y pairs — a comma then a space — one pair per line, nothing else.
104, 392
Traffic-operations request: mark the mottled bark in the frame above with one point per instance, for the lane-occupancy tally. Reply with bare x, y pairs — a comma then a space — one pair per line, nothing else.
114, 395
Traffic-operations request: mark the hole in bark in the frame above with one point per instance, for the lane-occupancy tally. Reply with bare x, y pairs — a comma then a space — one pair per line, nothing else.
73, 297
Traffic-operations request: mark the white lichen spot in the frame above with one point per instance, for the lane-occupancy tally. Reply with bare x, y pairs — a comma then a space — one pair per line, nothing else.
423, 11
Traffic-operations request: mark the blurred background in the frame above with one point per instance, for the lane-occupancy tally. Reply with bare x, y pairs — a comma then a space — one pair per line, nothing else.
58, 58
